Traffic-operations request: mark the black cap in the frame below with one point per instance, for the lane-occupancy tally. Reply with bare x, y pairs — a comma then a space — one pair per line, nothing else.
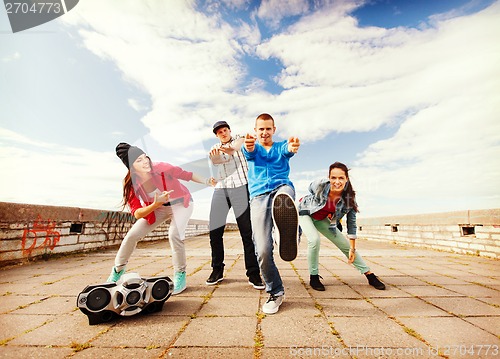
220, 124
128, 154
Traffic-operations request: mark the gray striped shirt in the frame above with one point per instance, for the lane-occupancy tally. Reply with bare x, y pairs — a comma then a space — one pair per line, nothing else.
232, 172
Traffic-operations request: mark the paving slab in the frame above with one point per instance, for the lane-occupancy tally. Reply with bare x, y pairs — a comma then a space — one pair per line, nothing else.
474, 290
394, 353
11, 302
425, 306
234, 287
417, 272
402, 280
228, 306
424, 291
49, 305
374, 332
185, 306
490, 324
13, 352
465, 306
118, 353
491, 300
63, 330
348, 308
369, 292
412, 307
219, 332
295, 289
286, 331
17, 325
449, 331
336, 291
211, 352
142, 332
442, 280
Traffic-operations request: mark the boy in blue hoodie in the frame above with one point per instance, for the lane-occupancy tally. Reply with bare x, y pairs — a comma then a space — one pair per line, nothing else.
271, 202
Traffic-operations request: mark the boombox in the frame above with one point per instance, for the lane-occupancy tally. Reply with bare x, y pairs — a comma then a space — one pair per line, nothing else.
130, 295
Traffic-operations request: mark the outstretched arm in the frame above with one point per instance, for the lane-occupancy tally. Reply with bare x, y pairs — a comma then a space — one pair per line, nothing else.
235, 146
207, 181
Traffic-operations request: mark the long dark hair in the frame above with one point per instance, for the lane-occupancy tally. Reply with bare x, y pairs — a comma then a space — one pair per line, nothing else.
349, 195
128, 184
127, 189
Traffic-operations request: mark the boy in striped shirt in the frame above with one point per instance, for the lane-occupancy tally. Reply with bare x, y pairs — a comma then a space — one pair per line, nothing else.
231, 191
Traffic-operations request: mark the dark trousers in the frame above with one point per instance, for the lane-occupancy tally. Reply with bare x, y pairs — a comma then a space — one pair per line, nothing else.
224, 199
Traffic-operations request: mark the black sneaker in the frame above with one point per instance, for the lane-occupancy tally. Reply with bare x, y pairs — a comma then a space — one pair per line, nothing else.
286, 220
375, 282
215, 277
315, 283
256, 282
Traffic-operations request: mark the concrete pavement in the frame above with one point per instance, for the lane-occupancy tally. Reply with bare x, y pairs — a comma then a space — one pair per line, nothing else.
436, 305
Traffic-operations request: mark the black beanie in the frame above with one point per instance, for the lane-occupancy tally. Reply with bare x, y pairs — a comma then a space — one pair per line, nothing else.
128, 154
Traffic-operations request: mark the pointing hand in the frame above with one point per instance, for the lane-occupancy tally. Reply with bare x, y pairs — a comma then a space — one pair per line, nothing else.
250, 142
293, 144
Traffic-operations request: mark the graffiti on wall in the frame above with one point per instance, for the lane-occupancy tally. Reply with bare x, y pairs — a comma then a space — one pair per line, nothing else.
115, 225
43, 235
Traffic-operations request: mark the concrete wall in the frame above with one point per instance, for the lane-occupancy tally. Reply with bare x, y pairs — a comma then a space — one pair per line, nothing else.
474, 232
31, 231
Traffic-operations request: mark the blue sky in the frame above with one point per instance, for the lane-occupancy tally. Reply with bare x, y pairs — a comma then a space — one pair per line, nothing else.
404, 92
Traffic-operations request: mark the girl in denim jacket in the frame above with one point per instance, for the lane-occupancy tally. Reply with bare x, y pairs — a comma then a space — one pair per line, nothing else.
321, 210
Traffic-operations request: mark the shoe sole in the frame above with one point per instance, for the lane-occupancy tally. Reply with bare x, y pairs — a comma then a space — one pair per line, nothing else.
259, 287
271, 312
319, 289
379, 285
286, 220
214, 283
110, 278
179, 292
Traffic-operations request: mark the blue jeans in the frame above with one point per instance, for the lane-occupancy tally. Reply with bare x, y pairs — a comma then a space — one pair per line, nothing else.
262, 227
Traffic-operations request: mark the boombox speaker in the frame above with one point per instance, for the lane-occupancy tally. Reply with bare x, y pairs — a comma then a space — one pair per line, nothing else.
130, 295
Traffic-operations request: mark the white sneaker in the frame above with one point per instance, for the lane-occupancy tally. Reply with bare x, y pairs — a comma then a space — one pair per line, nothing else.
273, 304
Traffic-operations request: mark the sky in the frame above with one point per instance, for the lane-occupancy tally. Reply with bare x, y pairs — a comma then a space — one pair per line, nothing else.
405, 93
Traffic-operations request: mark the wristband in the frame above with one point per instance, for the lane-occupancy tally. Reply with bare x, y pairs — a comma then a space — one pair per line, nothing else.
352, 250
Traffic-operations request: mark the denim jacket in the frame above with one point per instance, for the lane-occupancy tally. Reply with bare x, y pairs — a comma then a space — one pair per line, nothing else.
316, 199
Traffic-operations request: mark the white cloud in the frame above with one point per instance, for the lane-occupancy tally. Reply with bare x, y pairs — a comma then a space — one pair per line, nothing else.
46, 173
339, 76
49, 174
136, 105
236, 4
439, 84
185, 60
13, 57
443, 158
273, 11
346, 78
